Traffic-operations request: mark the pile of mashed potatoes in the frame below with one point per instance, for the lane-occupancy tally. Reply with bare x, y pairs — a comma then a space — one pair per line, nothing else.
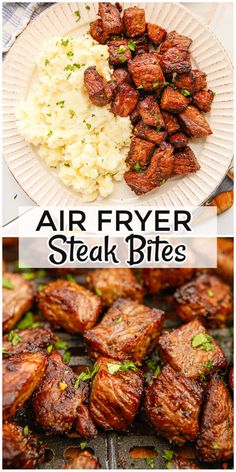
85, 143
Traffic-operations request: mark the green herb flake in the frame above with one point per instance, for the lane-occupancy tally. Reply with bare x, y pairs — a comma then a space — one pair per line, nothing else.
61, 103
88, 125
83, 445
168, 456
70, 278
78, 15
26, 430
49, 133
140, 87
41, 273
203, 341
157, 371
121, 49
87, 7
4, 352
84, 376
67, 356
28, 275
210, 293
72, 113
98, 292
138, 168
158, 128
26, 322
14, 338
122, 58
201, 375
65, 42
119, 320
46, 62
132, 45
155, 84
115, 367
208, 365
61, 345
215, 446
49, 348
70, 54
6, 283
162, 181
150, 462
185, 92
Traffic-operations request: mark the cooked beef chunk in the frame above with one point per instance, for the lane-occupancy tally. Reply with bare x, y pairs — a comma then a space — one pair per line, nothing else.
21, 375
150, 134
175, 60
20, 451
171, 122
119, 52
156, 280
172, 405
231, 378
181, 462
58, 402
125, 100
193, 82
225, 258
174, 39
96, 87
140, 152
185, 162
207, 298
216, 439
121, 76
16, 300
141, 44
155, 33
115, 395
173, 101
179, 140
135, 115
84, 460
146, 71
203, 100
111, 20
191, 351
134, 21
150, 112
32, 340
69, 305
127, 331
156, 174
111, 284
199, 78
194, 122
96, 31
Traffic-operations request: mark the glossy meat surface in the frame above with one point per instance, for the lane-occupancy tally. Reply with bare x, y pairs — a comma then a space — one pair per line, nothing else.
185, 162
128, 330
134, 21
20, 451
84, 460
193, 82
119, 52
156, 33
16, 300
31, 340
156, 280
173, 101
175, 60
203, 100
150, 112
69, 305
111, 20
171, 122
146, 71
175, 39
96, 31
149, 133
179, 140
194, 122
125, 100
140, 152
95, 85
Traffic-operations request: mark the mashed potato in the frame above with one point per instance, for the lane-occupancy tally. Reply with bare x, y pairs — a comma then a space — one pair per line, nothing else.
83, 142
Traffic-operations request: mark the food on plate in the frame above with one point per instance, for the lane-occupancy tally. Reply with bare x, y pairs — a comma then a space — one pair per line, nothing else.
84, 460
185, 162
32, 340
156, 280
182, 462
17, 297
203, 100
194, 123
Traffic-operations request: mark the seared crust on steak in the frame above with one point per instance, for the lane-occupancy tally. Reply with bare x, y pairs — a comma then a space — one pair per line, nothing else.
20, 451
149, 133
32, 340
140, 152
155, 33
134, 21
175, 60
111, 20
96, 87
194, 122
185, 162
203, 100
125, 100
156, 280
173, 101
150, 112
174, 39
16, 300
146, 71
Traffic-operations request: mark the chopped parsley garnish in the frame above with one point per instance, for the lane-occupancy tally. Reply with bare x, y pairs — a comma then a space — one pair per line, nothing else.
158, 117
86, 376
88, 125
49, 133
210, 293
41, 273
158, 128
83, 445
46, 62
115, 367
27, 321
6, 283
165, 84
203, 341
150, 462
215, 446
40, 287
157, 371
162, 181
4, 352
61, 104
49, 348
185, 92
67, 356
121, 49
67, 164
14, 338
77, 14
132, 45
70, 278
26, 430
70, 54
155, 84
61, 345
201, 375
138, 168
65, 42
72, 113
122, 58
98, 292
168, 456
140, 87
208, 365
87, 7
118, 320
28, 275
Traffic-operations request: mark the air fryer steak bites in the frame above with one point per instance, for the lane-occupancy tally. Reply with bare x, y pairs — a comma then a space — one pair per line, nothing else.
158, 89
20, 451
30, 340
16, 299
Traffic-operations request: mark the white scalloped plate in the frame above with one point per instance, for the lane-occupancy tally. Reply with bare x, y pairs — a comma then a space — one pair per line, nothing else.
214, 153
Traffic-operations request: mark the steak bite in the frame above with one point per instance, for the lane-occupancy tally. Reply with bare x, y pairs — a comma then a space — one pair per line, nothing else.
21, 374
172, 406
16, 300
141, 44
156, 280
96, 31
199, 79
135, 115
20, 451
128, 330
120, 76
193, 82
69, 305
134, 21
225, 259
150, 134
191, 351
155, 33
146, 71
178, 140
203, 100
116, 394
84, 460
175, 60
59, 401
207, 298
32, 340
185, 162
194, 122
171, 122
150, 112
140, 153
96, 87
216, 438
111, 284
173, 101
119, 52
174, 39
111, 20
125, 100
181, 462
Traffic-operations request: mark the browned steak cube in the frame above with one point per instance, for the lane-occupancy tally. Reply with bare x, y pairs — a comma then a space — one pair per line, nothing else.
216, 439
150, 112
146, 71
116, 394
225, 259
21, 374
185, 162
191, 351
32, 340
95, 85
172, 406
96, 31
121, 76
69, 305
156, 280
175, 60
134, 22
140, 44
110, 284
20, 451
194, 123
135, 115
180, 461
59, 401
193, 82
173, 101
125, 100
150, 134
200, 81
111, 20
179, 140
16, 300
203, 100
171, 122
140, 152
155, 33
207, 298
175, 39
231, 378
83, 460
114, 337
119, 52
